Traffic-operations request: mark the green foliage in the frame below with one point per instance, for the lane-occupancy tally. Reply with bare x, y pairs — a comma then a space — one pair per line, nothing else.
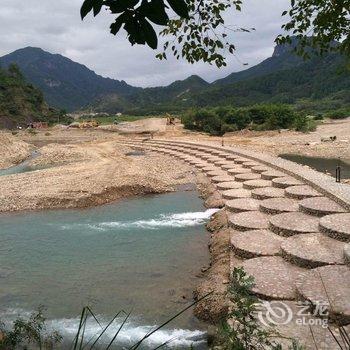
243, 331
304, 124
328, 21
339, 114
20, 102
217, 121
198, 31
29, 332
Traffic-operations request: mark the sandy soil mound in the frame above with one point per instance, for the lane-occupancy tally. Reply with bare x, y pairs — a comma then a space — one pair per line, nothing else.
12, 150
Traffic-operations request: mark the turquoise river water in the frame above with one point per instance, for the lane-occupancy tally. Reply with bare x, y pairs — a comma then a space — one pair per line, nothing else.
140, 255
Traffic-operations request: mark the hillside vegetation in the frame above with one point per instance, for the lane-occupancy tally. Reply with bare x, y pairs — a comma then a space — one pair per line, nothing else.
20, 102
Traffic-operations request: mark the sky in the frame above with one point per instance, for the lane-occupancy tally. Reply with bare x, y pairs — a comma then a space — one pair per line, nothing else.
55, 26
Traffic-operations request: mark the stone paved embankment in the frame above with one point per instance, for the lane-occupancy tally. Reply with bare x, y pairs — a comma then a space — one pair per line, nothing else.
289, 228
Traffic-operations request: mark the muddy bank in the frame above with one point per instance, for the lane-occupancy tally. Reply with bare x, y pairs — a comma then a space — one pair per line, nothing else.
215, 277
12, 150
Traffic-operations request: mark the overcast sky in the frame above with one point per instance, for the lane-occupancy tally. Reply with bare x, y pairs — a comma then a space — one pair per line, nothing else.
55, 26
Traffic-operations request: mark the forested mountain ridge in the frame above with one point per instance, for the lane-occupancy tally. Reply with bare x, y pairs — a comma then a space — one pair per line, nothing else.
282, 78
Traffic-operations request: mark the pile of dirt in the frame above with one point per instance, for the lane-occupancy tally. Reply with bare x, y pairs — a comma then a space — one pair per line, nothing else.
12, 150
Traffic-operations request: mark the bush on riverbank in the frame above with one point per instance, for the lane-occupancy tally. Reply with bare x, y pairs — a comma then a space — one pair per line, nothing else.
338, 114
218, 121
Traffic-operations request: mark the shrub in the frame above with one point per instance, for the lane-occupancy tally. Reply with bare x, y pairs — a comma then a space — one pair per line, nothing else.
338, 114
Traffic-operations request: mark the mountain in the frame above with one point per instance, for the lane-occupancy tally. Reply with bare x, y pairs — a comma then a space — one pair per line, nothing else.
64, 83
281, 78
20, 102
318, 79
281, 59
150, 99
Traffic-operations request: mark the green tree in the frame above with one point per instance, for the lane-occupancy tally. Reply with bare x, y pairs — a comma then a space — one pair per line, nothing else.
198, 31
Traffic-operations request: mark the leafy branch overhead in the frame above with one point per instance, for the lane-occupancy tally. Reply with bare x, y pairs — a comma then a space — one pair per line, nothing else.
196, 30
197, 27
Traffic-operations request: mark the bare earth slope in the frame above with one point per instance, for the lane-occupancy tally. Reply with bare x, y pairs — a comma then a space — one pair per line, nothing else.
12, 150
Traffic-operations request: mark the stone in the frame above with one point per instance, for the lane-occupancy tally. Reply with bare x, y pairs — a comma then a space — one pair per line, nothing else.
260, 169
274, 277
223, 178
228, 166
279, 205
238, 170
328, 285
336, 226
289, 224
268, 192
242, 204
272, 174
251, 244
214, 201
301, 192
240, 160
216, 172
246, 177
320, 206
236, 193
224, 186
347, 253
252, 220
249, 164
312, 250
210, 168
252, 184
284, 182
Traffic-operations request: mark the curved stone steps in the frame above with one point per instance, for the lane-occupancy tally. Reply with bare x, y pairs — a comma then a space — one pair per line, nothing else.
252, 184
278, 205
320, 206
246, 221
329, 287
312, 250
284, 182
274, 277
289, 224
240, 160
242, 204
252, 244
268, 192
236, 193
336, 226
224, 186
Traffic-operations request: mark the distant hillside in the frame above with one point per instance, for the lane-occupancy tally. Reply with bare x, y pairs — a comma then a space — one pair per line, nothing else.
281, 59
316, 79
64, 83
20, 102
151, 99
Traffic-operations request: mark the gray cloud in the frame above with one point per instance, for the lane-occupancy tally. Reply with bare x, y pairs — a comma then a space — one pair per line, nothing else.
55, 26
